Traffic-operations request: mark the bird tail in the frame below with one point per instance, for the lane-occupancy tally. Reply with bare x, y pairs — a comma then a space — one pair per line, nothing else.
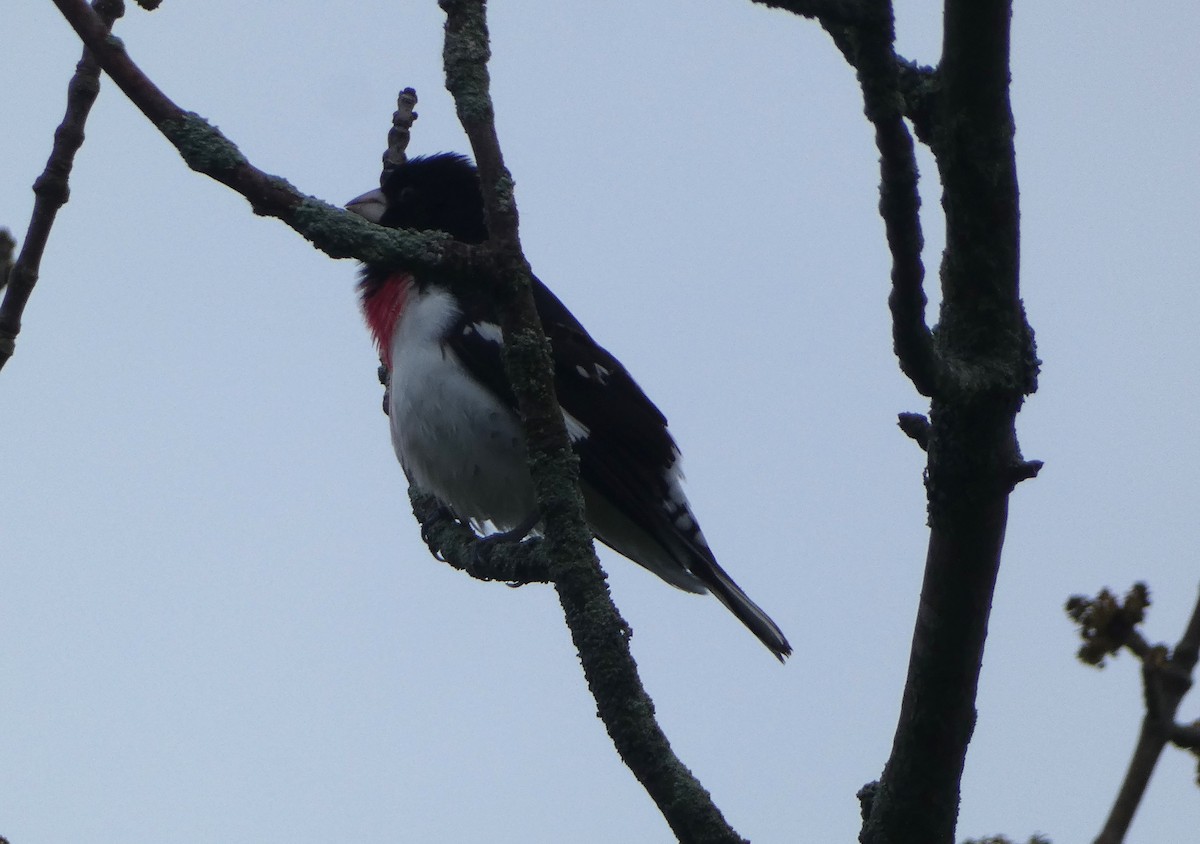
747, 612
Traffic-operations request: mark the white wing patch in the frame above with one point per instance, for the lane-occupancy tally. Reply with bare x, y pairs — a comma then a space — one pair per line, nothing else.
676, 504
487, 330
576, 430
597, 371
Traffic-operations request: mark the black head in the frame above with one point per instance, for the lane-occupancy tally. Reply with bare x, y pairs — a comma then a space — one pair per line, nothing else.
436, 192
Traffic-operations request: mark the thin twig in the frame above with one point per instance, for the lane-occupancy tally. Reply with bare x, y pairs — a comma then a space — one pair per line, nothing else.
398, 137
51, 188
597, 629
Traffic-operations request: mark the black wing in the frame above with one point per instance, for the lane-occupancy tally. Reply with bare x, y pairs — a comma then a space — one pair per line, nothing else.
627, 452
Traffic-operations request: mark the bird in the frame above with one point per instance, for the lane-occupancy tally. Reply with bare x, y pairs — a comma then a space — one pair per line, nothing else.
453, 417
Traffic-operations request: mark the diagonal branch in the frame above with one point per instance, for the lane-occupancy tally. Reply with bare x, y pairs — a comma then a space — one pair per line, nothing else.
335, 232
51, 188
600, 635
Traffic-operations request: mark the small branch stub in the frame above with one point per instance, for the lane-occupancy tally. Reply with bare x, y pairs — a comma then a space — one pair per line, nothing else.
916, 426
400, 133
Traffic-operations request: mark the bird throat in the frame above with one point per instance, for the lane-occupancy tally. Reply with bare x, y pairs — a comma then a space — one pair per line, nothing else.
383, 303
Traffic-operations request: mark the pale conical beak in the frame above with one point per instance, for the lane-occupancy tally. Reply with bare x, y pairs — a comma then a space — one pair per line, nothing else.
370, 205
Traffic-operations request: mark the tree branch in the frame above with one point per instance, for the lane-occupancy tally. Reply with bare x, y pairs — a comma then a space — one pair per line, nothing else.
514, 563
335, 232
51, 188
977, 371
1106, 625
869, 48
398, 136
918, 85
600, 635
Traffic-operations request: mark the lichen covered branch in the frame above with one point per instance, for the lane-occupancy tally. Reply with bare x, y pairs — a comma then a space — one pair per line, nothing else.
449, 540
600, 635
335, 232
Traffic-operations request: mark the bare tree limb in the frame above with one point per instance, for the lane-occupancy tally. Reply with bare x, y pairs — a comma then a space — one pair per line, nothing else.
977, 372
335, 232
600, 635
869, 48
1107, 625
51, 187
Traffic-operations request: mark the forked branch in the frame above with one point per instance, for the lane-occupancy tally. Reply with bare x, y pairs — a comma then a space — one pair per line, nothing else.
1107, 625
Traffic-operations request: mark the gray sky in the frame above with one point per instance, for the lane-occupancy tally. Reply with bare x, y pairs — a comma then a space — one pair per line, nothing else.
217, 622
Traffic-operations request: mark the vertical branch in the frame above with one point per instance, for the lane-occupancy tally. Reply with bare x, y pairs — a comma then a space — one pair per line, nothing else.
398, 136
988, 364
977, 369
600, 635
51, 188
869, 48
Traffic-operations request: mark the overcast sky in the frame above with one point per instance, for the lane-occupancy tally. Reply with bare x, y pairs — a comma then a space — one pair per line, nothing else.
217, 621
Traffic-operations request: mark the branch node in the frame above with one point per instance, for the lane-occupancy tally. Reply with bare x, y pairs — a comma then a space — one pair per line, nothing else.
1106, 624
1024, 470
916, 426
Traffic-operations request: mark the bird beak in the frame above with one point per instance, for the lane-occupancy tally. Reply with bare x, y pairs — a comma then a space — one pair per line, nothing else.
370, 205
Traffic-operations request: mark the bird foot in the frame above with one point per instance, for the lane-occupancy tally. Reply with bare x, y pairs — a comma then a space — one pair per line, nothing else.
484, 546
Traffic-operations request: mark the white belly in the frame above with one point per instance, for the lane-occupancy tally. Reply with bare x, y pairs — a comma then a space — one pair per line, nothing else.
453, 438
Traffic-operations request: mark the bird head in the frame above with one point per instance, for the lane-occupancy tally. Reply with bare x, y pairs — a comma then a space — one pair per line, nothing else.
429, 193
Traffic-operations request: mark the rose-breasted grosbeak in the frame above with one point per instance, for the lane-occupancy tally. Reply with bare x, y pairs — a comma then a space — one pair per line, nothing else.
454, 421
